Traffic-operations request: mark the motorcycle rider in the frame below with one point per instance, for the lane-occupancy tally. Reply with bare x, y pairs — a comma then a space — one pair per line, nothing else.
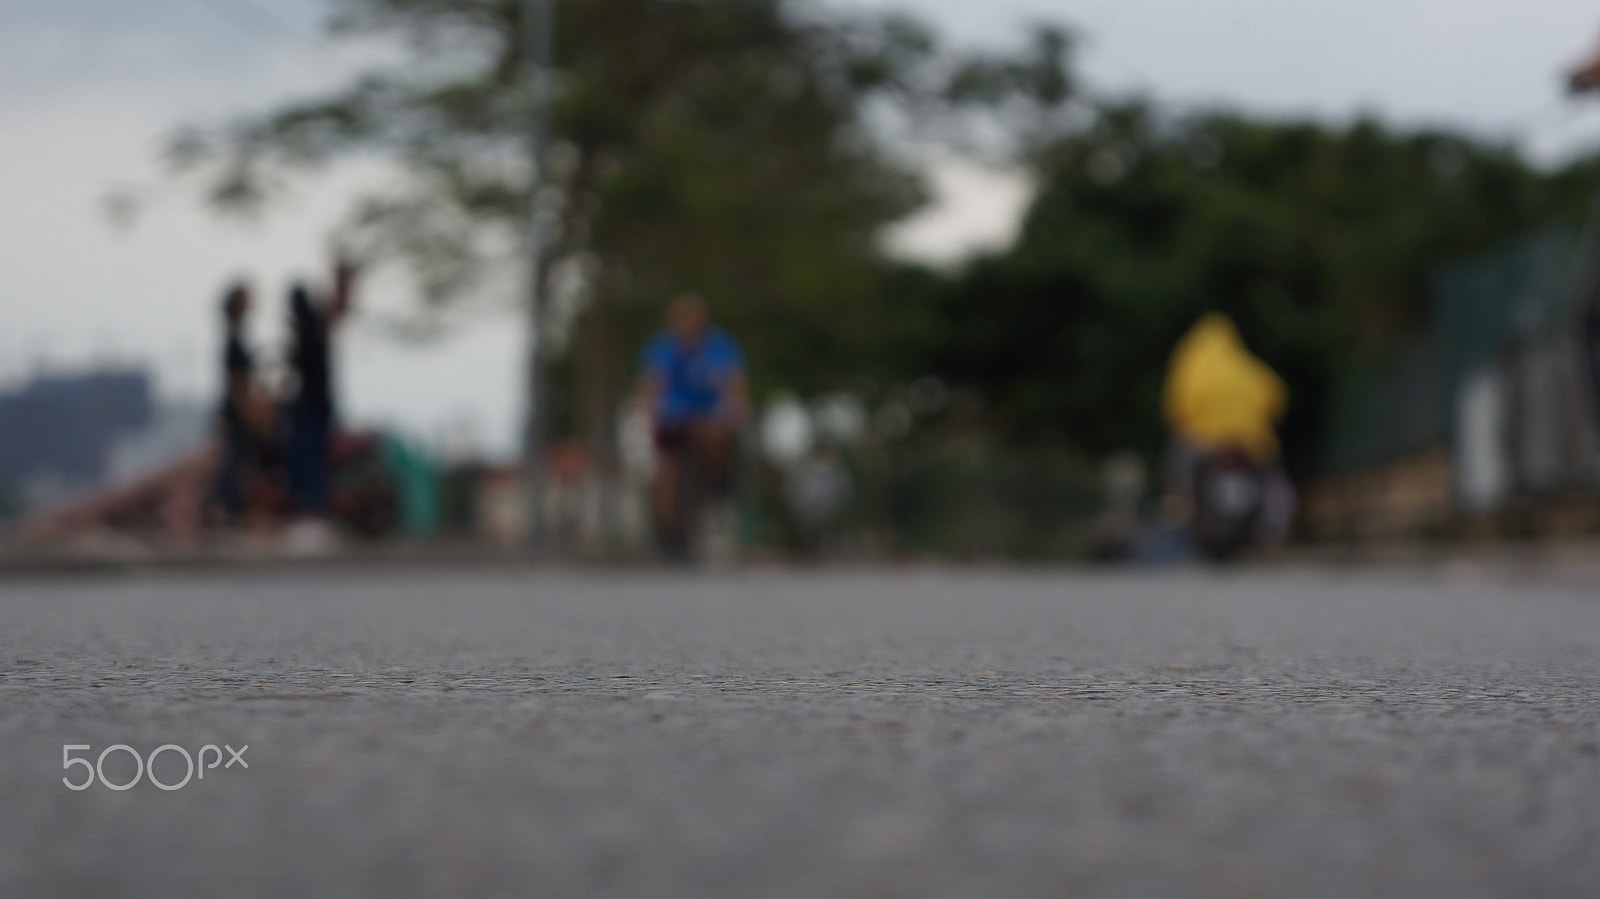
1222, 405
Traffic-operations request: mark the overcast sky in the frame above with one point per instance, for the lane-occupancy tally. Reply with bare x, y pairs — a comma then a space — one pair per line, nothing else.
88, 86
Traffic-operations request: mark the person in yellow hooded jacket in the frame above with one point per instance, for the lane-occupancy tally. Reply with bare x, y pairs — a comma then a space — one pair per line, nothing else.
1219, 398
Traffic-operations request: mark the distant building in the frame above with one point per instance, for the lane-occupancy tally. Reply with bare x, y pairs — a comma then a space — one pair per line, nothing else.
57, 432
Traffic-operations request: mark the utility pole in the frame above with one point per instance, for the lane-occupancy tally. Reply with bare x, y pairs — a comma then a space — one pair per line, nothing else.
537, 40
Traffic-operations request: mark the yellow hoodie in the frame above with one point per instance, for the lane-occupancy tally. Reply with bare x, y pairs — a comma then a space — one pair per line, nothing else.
1217, 395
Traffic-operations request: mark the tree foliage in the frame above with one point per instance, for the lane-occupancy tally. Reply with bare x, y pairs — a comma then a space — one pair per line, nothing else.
1317, 240
717, 146
734, 148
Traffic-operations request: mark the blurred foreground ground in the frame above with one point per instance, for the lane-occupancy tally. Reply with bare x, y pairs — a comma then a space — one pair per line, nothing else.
889, 733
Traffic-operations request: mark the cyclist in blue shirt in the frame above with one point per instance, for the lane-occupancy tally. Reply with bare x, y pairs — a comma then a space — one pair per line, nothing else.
693, 384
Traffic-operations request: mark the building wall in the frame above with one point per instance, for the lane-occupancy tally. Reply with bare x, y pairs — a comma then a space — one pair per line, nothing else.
61, 428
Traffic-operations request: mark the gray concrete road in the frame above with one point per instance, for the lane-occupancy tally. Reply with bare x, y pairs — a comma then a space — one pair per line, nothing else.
916, 733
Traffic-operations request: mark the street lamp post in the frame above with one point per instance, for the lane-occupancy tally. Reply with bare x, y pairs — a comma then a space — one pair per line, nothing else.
537, 39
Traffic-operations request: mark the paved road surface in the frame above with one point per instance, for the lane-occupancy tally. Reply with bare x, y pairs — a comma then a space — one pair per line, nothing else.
916, 733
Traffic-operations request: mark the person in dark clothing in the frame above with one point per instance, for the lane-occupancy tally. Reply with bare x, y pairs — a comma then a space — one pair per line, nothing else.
311, 408
240, 413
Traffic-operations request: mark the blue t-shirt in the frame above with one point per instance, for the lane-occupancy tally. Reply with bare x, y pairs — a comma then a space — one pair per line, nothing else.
692, 376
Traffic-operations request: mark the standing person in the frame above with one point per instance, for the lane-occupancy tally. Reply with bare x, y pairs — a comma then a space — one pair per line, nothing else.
311, 407
245, 416
693, 386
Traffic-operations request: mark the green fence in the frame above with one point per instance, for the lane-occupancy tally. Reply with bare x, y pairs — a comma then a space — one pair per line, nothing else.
1482, 311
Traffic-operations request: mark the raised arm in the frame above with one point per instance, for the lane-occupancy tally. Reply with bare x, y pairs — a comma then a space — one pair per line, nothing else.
344, 286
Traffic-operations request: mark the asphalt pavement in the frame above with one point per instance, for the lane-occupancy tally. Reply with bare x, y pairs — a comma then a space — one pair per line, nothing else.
890, 732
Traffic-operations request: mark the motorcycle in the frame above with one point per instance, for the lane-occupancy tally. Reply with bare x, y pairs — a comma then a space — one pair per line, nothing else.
1229, 499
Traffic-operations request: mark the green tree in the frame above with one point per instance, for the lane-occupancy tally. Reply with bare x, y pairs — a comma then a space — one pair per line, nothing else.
710, 145
1318, 241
